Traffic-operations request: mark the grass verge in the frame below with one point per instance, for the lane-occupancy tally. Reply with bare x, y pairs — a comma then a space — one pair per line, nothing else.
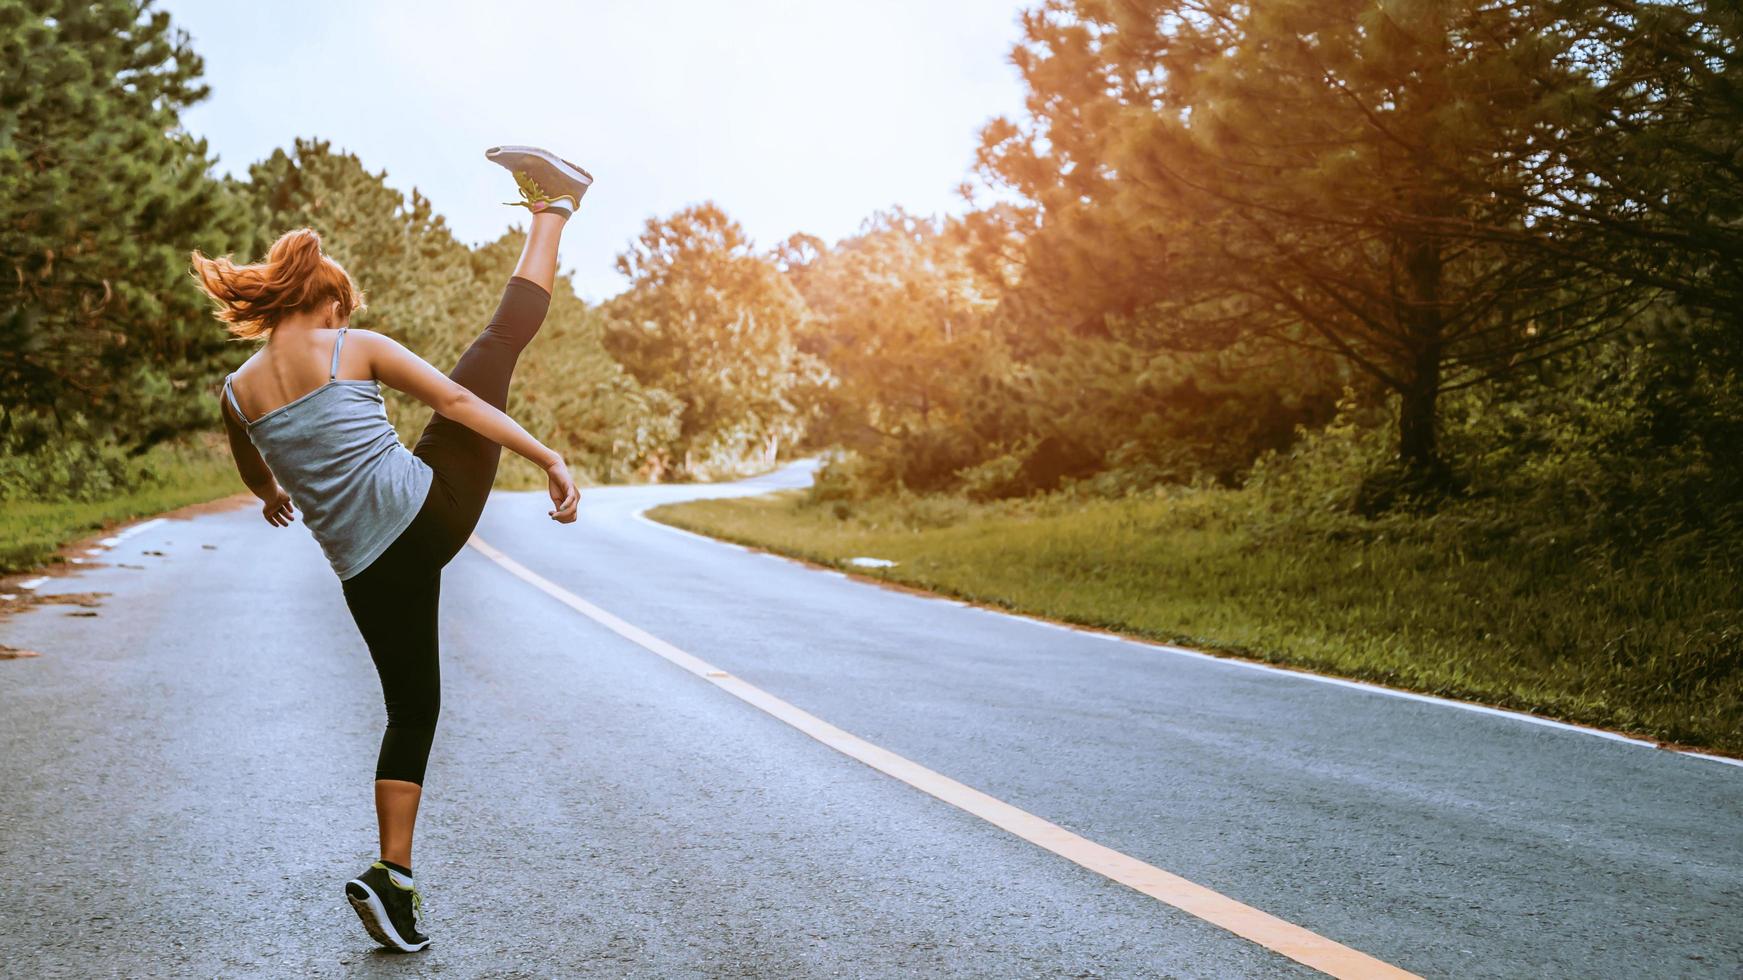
1436, 608
166, 477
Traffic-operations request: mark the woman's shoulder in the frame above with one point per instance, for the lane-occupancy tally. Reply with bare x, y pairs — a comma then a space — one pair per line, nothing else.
365, 335
255, 358
365, 351
375, 346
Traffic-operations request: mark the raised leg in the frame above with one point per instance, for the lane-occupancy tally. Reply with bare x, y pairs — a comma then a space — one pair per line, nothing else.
538, 258
464, 461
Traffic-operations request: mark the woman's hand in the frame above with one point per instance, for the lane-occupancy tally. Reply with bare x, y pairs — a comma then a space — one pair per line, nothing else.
277, 507
563, 492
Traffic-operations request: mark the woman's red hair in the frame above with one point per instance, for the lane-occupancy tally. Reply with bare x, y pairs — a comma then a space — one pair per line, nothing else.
296, 277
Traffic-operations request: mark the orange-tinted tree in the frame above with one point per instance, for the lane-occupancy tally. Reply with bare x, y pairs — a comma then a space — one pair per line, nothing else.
715, 323
1343, 177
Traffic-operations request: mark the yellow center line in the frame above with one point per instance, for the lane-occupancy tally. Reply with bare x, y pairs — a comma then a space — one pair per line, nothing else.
1299, 944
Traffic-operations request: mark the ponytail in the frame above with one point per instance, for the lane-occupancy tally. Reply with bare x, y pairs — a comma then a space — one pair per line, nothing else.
296, 277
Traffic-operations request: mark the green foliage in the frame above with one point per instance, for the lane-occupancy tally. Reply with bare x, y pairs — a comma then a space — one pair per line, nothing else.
101, 197
1655, 147
1338, 177
72, 463
994, 479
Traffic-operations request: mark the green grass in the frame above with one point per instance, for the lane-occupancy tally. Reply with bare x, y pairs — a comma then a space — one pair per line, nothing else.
167, 477
1448, 607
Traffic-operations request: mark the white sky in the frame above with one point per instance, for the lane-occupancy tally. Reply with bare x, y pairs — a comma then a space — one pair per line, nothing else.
791, 115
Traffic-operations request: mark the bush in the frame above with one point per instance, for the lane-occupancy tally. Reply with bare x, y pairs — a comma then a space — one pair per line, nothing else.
72, 464
1002, 476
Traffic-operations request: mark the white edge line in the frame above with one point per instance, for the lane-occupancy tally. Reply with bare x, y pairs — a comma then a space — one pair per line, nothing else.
112, 541
1299, 674
126, 533
1727, 760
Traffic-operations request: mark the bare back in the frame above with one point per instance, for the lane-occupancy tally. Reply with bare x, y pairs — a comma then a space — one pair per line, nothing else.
290, 365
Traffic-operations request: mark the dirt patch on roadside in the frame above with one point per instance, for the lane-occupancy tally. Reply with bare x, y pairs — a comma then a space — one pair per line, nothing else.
85, 603
85, 599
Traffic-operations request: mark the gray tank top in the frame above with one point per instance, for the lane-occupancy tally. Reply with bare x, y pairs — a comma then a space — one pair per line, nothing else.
343, 465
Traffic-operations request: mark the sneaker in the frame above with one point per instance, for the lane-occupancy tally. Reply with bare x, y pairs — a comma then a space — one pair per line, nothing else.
393, 913
543, 176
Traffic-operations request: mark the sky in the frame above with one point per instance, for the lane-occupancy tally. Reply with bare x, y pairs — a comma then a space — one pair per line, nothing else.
792, 115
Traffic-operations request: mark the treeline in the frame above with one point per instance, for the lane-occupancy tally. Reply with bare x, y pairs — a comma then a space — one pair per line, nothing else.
1498, 244
1442, 247
106, 348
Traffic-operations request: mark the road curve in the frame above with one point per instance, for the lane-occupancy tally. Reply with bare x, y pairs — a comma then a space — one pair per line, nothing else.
184, 784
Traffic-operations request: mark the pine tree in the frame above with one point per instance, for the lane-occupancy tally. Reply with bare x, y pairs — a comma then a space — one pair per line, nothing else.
102, 195
1340, 176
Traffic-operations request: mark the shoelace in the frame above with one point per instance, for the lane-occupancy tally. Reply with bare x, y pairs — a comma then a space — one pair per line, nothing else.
531, 193
417, 896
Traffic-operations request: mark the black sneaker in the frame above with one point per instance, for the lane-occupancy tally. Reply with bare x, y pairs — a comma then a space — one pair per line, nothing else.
542, 175
393, 913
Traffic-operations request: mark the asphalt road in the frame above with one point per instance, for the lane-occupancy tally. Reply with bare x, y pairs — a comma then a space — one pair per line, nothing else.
185, 785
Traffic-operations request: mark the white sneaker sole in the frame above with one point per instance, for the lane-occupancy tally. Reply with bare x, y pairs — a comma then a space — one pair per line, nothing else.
556, 162
375, 918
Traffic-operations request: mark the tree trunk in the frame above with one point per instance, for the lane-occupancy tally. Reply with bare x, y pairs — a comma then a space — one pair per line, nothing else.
1418, 445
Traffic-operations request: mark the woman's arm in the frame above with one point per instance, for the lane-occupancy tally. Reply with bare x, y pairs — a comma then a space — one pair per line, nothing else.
400, 369
253, 469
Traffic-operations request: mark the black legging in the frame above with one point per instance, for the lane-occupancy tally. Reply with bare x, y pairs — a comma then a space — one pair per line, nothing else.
394, 599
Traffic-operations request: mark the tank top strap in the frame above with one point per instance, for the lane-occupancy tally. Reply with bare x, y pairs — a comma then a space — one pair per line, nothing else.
338, 344
230, 393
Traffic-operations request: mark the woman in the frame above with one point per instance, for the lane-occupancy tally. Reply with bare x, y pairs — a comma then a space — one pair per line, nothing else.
309, 431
